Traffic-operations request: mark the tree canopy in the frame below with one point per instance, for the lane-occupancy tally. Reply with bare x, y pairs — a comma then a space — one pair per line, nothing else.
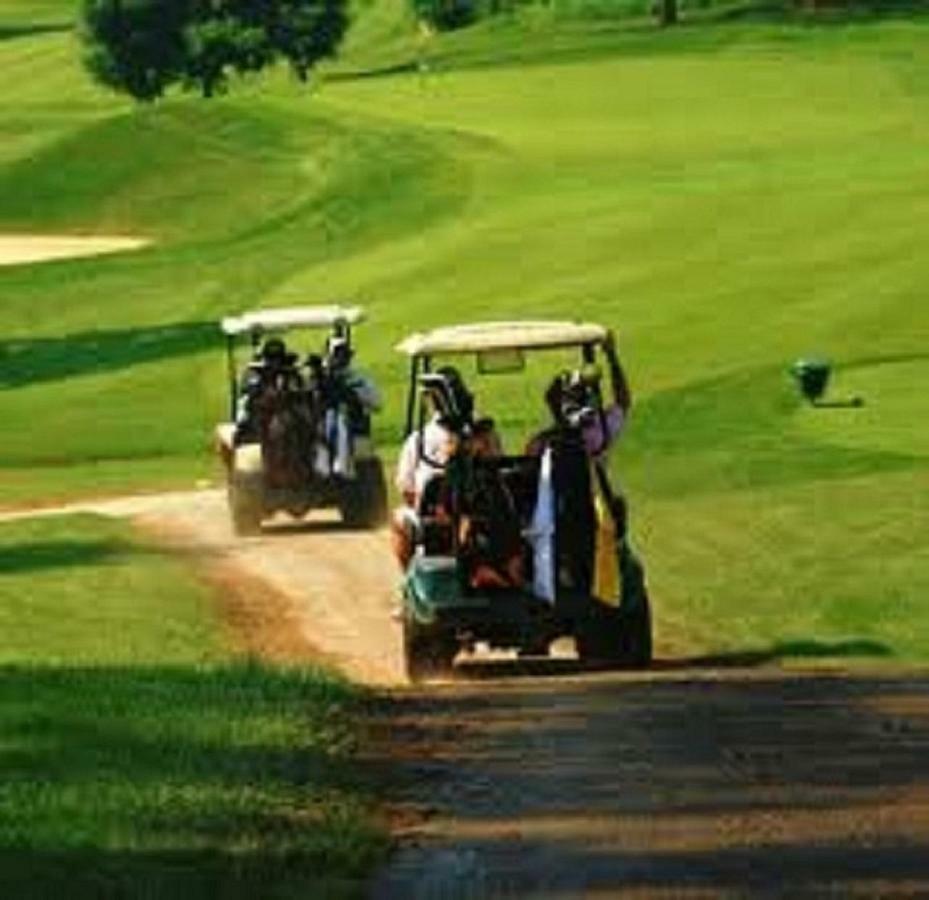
142, 47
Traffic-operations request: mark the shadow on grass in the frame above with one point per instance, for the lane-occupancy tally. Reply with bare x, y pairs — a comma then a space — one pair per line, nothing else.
476, 669
40, 874
34, 556
9, 32
399, 68
25, 361
856, 648
234, 781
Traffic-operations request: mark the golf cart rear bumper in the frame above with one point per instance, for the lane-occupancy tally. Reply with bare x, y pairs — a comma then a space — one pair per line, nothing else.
436, 597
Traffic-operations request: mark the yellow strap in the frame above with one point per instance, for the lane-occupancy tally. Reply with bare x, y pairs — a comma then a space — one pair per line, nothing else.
607, 584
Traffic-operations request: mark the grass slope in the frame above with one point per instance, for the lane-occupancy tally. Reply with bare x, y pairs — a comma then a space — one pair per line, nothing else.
140, 758
729, 196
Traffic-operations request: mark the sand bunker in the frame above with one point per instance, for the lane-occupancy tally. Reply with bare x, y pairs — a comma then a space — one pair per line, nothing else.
22, 248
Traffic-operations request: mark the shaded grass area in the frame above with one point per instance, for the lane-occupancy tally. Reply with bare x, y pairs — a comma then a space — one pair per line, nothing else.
157, 781
30, 360
141, 756
8, 32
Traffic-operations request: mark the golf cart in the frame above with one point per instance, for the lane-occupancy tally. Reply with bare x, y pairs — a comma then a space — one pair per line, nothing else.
299, 435
515, 551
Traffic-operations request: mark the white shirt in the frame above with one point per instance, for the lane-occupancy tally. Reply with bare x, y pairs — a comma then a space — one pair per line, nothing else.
413, 472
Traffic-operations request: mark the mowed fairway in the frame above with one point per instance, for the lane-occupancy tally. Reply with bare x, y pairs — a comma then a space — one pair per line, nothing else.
727, 204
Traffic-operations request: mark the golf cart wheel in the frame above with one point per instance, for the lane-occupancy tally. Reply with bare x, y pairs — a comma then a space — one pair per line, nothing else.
363, 501
245, 506
636, 635
620, 638
597, 636
635, 625
427, 652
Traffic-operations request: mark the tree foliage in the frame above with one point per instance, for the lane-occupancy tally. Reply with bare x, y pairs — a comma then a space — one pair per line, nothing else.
142, 47
447, 15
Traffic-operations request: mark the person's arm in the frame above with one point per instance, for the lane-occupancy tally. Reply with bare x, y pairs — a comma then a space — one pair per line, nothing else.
622, 396
406, 470
366, 390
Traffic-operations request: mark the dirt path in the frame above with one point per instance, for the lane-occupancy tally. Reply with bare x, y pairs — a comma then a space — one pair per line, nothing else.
696, 782
683, 784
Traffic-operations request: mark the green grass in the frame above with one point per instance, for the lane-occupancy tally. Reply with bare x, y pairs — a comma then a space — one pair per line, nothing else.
140, 756
20, 14
730, 195
79, 591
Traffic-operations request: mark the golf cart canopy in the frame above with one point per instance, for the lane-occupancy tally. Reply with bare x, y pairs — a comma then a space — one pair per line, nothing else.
291, 317
503, 336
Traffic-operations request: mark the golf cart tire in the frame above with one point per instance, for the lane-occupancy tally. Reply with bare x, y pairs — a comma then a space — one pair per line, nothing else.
427, 652
636, 636
596, 637
617, 638
363, 499
246, 508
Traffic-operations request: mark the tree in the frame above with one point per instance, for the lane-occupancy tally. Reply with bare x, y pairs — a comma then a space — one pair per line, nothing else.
668, 12
142, 47
447, 15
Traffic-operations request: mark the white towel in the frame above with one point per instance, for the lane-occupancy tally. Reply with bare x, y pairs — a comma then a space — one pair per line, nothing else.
541, 534
341, 440
333, 454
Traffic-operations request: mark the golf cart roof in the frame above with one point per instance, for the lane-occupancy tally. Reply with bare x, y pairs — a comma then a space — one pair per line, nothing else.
502, 336
292, 317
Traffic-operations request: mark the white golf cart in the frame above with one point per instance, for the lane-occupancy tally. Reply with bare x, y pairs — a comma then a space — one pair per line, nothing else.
515, 550
299, 434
